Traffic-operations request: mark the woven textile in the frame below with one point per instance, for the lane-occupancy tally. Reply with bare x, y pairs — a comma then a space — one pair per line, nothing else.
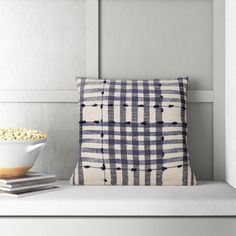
132, 132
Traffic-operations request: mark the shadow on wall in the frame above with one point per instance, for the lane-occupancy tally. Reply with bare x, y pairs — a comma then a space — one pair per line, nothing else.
59, 122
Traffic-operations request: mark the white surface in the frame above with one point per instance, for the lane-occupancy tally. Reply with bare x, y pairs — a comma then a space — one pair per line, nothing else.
61, 96
208, 198
230, 84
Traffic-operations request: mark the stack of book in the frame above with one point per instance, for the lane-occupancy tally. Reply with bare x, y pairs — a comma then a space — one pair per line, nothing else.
31, 183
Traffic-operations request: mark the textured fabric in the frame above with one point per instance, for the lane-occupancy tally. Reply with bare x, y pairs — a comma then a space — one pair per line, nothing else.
132, 132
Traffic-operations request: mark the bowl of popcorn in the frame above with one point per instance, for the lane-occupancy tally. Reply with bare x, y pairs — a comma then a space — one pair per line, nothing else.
19, 149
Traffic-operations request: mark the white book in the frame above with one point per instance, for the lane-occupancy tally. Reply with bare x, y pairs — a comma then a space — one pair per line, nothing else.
30, 176
6, 189
27, 183
34, 191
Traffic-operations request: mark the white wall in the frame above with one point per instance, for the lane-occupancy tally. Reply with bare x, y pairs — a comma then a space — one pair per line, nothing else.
42, 43
43, 46
150, 39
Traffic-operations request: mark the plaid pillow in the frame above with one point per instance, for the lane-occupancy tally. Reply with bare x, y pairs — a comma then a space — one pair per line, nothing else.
132, 132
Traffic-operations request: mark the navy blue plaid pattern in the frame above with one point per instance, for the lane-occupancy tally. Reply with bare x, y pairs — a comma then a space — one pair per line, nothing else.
132, 132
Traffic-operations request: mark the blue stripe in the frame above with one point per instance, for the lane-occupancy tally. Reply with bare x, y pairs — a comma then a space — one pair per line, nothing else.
135, 133
123, 139
111, 151
183, 118
123, 124
134, 152
134, 162
159, 131
130, 91
152, 99
129, 142
135, 138
80, 130
146, 117
151, 83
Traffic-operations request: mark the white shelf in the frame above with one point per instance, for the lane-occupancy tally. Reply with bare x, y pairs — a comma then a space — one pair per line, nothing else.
209, 198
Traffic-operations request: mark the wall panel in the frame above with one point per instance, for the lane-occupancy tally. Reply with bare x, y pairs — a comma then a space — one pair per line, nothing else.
42, 43
156, 38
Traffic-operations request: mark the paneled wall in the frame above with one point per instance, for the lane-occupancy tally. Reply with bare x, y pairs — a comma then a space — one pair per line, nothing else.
43, 47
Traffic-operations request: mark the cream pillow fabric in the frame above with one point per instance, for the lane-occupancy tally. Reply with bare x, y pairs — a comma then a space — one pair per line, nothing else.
132, 132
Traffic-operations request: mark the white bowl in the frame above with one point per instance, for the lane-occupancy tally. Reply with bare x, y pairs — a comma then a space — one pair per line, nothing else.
18, 156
